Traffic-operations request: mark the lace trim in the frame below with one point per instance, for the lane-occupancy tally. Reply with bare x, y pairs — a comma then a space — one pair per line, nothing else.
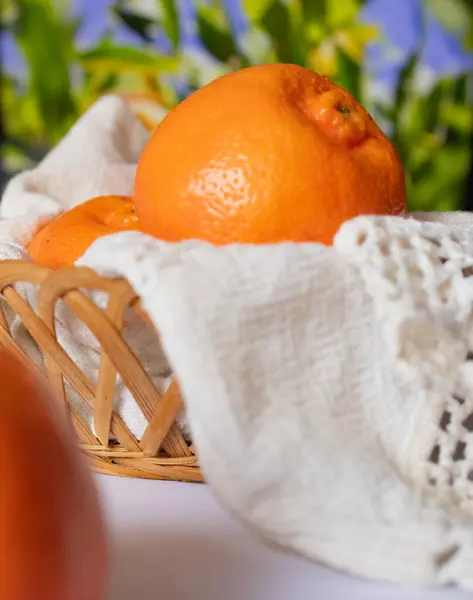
420, 276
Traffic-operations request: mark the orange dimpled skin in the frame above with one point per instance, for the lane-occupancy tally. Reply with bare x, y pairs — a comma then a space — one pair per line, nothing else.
66, 238
267, 154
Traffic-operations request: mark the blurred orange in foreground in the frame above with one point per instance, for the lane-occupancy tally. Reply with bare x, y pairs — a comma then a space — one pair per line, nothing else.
66, 238
52, 540
267, 154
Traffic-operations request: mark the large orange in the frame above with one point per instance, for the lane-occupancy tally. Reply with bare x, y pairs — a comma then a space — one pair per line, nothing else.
52, 533
266, 154
65, 239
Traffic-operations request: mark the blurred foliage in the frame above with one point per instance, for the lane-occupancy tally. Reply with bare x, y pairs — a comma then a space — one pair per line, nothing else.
430, 128
456, 16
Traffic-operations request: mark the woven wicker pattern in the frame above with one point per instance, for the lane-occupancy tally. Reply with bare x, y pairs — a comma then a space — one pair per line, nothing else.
162, 452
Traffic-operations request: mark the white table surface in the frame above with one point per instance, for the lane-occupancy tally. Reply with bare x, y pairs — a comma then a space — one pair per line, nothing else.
172, 541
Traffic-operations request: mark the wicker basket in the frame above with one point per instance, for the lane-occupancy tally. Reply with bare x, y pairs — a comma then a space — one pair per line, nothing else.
162, 452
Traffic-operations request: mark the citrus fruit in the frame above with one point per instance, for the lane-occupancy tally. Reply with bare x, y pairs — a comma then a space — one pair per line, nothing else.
266, 154
65, 239
52, 534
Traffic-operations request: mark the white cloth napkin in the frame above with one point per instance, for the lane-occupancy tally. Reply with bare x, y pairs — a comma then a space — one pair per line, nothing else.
329, 390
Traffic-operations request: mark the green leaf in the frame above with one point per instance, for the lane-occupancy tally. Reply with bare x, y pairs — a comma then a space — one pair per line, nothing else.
323, 59
416, 115
255, 9
354, 39
314, 10
403, 97
170, 21
316, 32
27, 151
349, 74
298, 37
47, 45
342, 13
461, 93
428, 115
441, 186
454, 15
8, 13
385, 112
277, 23
140, 24
21, 107
469, 38
110, 57
14, 161
421, 151
24, 128
256, 46
458, 117
215, 32
105, 82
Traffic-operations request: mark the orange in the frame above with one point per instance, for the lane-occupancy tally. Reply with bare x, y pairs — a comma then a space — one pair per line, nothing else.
267, 154
52, 533
65, 239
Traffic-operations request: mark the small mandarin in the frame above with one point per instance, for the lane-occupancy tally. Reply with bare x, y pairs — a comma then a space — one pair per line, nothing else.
66, 238
267, 154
